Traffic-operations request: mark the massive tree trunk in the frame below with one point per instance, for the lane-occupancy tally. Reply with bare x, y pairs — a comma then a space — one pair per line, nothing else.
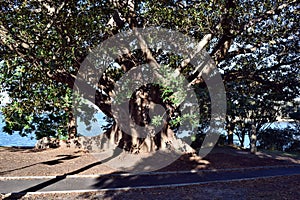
143, 103
165, 139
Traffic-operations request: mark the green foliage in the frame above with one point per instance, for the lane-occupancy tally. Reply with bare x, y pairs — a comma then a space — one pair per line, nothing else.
37, 106
279, 139
156, 120
254, 43
172, 86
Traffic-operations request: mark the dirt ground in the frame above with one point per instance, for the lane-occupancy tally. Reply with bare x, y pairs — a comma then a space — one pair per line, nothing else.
281, 188
30, 162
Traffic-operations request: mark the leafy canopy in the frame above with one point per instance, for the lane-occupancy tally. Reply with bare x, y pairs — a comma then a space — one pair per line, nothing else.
254, 43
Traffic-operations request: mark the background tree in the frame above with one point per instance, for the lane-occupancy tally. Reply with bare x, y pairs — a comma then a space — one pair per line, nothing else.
279, 139
254, 43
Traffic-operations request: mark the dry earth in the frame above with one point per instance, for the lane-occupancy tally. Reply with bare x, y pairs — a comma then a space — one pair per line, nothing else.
30, 162
281, 188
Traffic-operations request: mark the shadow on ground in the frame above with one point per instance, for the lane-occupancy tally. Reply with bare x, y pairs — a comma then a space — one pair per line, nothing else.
219, 158
50, 162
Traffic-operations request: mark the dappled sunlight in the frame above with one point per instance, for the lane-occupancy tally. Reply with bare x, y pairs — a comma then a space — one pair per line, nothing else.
281, 156
15, 162
188, 167
200, 163
155, 161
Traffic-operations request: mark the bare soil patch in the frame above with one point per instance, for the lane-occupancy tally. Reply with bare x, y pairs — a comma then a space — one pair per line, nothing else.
281, 188
30, 162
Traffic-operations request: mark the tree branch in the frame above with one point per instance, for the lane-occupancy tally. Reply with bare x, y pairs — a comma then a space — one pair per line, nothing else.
265, 15
90, 93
